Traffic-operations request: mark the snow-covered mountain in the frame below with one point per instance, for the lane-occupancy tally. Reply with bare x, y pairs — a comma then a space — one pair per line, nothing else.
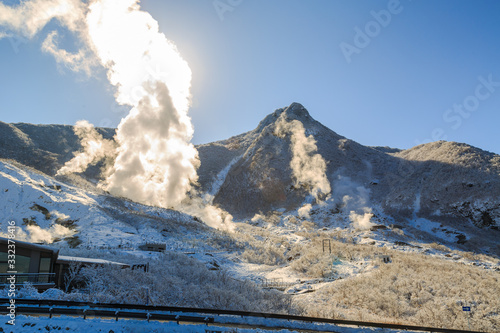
454, 185
439, 188
316, 214
440, 179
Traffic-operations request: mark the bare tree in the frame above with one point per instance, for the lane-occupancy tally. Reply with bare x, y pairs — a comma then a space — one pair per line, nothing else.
72, 275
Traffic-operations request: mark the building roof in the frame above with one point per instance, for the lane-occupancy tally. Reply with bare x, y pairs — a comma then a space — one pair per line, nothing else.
94, 261
31, 246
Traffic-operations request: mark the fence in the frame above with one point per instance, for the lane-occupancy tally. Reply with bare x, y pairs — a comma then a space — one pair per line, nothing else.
53, 307
34, 278
276, 284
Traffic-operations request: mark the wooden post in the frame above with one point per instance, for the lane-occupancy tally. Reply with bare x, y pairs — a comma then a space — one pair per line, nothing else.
327, 244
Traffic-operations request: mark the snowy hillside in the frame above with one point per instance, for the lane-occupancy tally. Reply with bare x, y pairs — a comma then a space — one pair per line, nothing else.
446, 182
48, 211
454, 186
43, 147
283, 250
323, 226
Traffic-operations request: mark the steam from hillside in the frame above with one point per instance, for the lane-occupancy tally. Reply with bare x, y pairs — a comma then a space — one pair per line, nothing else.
362, 221
304, 211
308, 167
355, 200
56, 231
155, 162
95, 148
36, 234
213, 216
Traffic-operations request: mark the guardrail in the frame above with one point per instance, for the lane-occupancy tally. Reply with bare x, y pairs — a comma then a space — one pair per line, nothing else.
151, 312
50, 311
276, 283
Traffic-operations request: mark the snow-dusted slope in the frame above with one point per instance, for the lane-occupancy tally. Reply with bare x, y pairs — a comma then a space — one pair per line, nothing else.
284, 248
47, 210
451, 185
453, 180
454, 187
43, 147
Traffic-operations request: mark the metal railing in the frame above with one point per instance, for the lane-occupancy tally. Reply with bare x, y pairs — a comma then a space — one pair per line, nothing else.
276, 283
168, 313
34, 278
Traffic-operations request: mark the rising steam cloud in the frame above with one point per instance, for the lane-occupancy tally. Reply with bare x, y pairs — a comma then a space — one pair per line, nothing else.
308, 167
355, 200
29, 17
36, 234
95, 148
154, 161
305, 210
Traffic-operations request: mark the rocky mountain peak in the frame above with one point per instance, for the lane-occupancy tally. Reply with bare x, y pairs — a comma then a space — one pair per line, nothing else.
294, 111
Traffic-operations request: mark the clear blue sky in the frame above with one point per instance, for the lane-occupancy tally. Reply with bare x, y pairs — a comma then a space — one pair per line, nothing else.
264, 54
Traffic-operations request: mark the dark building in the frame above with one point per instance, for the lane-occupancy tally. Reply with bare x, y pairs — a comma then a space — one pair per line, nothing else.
33, 263
153, 247
41, 265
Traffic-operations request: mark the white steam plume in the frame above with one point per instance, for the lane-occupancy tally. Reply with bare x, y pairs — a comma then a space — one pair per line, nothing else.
29, 17
37, 234
361, 221
95, 148
82, 61
213, 216
155, 163
308, 167
305, 210
356, 201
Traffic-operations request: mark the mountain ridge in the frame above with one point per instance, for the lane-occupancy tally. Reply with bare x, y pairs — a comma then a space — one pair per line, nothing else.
452, 184
427, 215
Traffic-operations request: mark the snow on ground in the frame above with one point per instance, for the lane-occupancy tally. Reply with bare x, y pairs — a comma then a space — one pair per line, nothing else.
30, 324
386, 237
447, 234
221, 177
45, 209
